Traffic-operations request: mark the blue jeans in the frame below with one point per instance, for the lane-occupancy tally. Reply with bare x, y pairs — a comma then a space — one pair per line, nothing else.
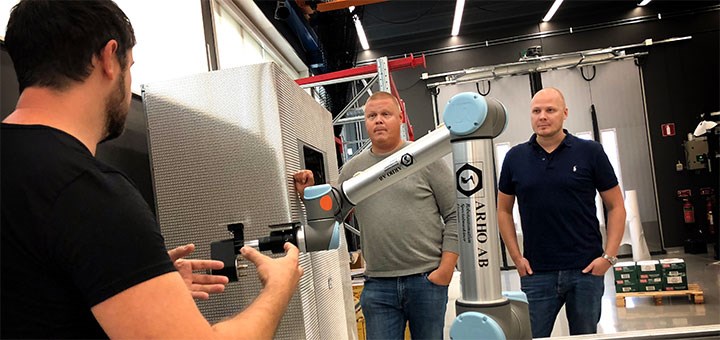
548, 291
388, 303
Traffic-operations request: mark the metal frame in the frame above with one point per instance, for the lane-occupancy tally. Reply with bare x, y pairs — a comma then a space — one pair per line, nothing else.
379, 73
542, 63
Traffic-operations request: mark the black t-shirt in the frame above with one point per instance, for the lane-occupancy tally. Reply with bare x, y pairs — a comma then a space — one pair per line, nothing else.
74, 233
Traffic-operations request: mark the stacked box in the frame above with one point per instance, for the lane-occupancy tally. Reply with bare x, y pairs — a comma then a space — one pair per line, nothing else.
626, 279
649, 276
359, 317
674, 274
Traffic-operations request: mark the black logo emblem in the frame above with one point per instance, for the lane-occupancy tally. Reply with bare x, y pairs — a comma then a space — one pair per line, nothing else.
407, 159
469, 179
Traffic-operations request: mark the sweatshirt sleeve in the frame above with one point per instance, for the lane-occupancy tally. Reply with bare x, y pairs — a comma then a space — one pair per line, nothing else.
442, 184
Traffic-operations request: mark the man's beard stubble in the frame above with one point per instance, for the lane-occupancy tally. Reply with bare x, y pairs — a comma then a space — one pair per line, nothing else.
116, 111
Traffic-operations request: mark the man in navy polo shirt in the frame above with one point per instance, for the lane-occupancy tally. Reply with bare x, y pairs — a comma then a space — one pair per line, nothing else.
554, 177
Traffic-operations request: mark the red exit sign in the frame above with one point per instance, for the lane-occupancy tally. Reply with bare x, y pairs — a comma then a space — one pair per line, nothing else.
668, 129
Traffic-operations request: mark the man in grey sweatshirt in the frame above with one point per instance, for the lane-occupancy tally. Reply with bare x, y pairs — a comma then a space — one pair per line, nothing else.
408, 233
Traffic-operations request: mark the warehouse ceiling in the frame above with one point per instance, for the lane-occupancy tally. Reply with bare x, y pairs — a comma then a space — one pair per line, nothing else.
393, 21
388, 23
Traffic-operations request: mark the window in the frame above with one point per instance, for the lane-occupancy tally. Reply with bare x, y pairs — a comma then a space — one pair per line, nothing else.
169, 48
240, 42
608, 139
236, 46
314, 161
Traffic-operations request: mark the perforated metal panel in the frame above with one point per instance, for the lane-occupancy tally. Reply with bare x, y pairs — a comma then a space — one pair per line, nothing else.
223, 148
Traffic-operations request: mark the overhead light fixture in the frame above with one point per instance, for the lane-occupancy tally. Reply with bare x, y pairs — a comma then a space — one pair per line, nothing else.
360, 30
644, 2
459, 6
552, 10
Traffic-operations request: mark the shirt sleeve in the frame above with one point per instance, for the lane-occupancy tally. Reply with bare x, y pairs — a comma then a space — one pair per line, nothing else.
505, 183
443, 187
104, 237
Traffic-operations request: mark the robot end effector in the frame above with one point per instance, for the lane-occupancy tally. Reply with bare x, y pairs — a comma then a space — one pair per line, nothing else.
228, 250
326, 211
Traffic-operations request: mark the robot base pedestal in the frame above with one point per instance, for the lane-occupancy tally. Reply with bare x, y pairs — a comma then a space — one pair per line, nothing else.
505, 320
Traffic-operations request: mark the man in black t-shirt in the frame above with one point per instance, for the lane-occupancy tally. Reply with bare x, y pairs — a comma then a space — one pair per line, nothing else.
82, 254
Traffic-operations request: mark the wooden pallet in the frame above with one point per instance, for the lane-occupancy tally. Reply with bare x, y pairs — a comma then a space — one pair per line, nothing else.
694, 294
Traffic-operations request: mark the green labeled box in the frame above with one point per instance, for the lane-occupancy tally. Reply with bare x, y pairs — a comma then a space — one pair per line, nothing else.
648, 267
651, 276
651, 281
625, 277
675, 287
673, 265
625, 289
622, 282
625, 271
650, 287
674, 274
675, 283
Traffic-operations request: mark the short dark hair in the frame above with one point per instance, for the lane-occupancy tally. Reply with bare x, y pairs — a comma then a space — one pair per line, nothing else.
52, 43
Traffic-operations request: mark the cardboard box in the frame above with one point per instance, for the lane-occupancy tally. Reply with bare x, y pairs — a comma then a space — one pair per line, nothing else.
359, 318
626, 289
679, 282
651, 281
650, 276
673, 265
675, 287
648, 267
650, 287
624, 268
356, 260
626, 282
674, 274
625, 276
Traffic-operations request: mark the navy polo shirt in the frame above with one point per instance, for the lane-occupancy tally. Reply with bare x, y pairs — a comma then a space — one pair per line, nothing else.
556, 196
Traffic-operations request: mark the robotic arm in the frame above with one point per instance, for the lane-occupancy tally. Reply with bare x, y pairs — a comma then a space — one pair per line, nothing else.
471, 122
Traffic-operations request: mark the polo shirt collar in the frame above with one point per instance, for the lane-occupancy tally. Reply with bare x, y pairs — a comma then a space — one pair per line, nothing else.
567, 141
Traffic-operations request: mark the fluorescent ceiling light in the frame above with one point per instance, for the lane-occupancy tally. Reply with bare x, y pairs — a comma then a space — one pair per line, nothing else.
552, 10
359, 29
644, 2
459, 6
361, 33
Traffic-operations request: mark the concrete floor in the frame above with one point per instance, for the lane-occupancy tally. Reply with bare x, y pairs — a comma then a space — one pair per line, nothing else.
640, 313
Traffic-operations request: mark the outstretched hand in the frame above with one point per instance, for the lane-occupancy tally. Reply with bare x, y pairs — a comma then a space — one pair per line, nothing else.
200, 285
279, 273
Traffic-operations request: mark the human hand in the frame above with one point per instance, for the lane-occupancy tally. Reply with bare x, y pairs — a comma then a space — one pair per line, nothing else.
440, 277
280, 273
303, 179
597, 267
200, 285
523, 267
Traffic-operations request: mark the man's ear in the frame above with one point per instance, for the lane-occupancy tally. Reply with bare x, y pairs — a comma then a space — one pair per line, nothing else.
108, 60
